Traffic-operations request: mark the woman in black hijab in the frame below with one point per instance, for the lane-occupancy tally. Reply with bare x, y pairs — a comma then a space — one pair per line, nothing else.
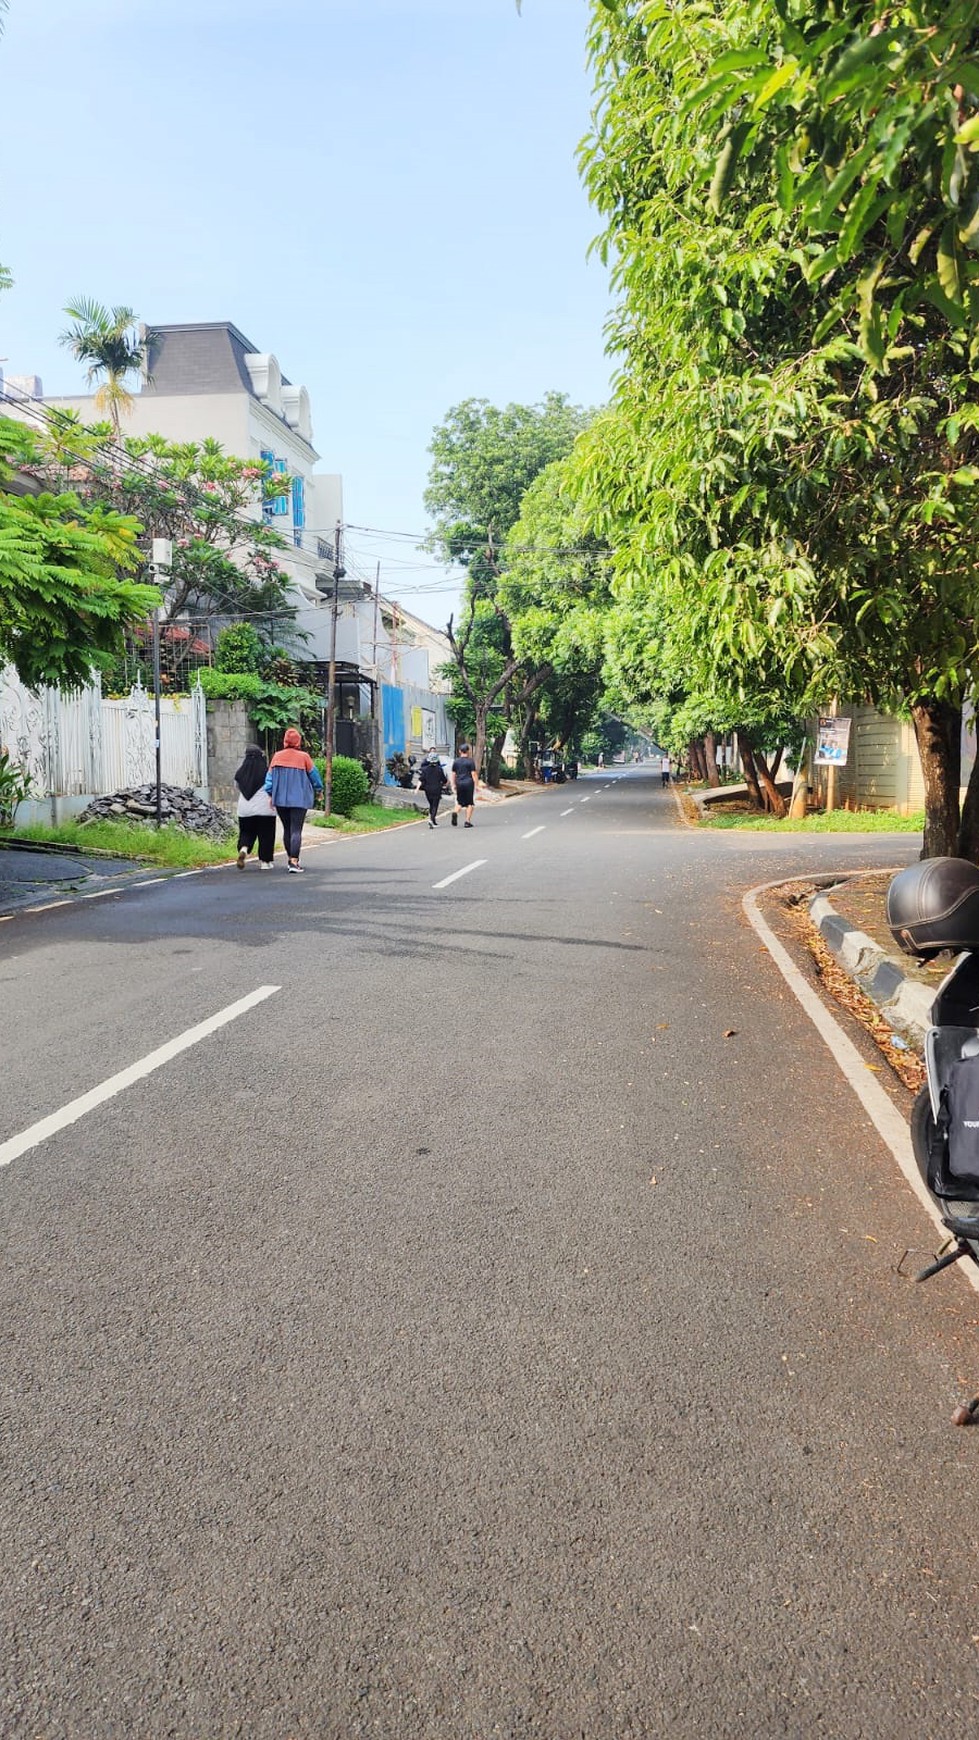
256, 813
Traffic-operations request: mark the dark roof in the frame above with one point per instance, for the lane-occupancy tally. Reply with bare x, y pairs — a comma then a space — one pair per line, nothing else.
204, 358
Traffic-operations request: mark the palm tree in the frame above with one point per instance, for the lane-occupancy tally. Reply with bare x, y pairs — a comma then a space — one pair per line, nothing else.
110, 342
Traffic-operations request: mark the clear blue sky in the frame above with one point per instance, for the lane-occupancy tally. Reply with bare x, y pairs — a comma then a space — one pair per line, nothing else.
382, 192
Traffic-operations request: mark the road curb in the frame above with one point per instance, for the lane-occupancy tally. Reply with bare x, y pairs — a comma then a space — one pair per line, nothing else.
904, 1002
889, 1122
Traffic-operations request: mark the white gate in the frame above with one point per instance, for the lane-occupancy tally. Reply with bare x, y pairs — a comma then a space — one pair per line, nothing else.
76, 745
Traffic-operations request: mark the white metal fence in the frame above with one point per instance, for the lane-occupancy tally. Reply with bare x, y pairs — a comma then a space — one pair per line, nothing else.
78, 745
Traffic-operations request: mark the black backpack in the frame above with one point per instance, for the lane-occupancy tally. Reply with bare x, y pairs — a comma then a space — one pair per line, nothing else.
953, 1154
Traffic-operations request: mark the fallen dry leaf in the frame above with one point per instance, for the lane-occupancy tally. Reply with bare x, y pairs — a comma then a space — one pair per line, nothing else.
729, 1032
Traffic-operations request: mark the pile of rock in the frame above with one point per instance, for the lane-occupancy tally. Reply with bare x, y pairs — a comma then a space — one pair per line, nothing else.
182, 806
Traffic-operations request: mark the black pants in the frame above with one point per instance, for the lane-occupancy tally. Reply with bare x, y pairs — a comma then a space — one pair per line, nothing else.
260, 828
666, 777
292, 820
434, 799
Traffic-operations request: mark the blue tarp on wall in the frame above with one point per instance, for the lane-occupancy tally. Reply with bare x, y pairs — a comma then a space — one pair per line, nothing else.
393, 720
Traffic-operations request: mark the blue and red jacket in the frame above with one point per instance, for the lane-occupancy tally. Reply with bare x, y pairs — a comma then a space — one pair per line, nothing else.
292, 780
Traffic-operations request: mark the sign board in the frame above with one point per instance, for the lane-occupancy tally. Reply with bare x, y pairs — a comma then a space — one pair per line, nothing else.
832, 742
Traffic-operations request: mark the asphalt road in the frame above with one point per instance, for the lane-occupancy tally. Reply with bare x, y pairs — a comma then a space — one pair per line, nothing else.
468, 1340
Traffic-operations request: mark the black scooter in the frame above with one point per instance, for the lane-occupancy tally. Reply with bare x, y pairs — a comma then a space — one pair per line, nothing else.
933, 907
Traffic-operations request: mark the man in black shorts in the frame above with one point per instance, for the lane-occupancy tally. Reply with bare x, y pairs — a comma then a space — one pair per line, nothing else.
464, 784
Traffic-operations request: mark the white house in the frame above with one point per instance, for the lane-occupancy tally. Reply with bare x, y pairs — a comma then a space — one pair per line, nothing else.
206, 379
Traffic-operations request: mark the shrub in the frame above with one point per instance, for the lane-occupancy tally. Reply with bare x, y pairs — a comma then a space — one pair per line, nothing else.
239, 649
15, 785
350, 784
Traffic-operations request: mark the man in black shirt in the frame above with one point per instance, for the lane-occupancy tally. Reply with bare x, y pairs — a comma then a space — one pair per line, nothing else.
464, 784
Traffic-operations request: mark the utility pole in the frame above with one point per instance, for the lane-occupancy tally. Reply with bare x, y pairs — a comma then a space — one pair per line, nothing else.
377, 710
331, 681
161, 561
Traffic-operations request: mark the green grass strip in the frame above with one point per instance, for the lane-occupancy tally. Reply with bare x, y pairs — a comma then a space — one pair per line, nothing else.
834, 822
169, 846
366, 819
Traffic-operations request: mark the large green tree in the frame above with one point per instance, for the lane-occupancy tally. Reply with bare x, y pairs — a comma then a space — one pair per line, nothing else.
483, 461
65, 587
554, 590
787, 469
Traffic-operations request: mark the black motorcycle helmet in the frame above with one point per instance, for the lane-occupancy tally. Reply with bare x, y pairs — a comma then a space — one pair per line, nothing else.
933, 906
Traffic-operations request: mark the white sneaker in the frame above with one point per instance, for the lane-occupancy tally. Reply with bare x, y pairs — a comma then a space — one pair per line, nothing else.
242, 857
263, 866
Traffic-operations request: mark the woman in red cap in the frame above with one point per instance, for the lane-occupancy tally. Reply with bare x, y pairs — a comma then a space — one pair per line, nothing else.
292, 782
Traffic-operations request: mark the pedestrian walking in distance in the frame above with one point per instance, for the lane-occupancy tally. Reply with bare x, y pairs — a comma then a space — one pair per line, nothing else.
256, 811
292, 783
665, 769
464, 783
433, 782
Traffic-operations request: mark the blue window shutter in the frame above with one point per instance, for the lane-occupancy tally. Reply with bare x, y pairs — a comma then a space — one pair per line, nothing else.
298, 501
268, 458
280, 503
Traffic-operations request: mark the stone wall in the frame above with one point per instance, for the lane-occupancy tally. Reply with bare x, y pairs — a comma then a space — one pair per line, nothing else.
229, 731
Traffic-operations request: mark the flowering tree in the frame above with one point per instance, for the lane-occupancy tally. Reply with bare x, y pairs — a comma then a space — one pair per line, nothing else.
207, 501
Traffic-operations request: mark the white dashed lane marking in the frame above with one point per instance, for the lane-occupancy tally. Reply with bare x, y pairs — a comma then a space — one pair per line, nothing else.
115, 1084
457, 873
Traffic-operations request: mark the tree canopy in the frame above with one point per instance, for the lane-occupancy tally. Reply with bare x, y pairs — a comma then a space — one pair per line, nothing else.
65, 590
112, 347
205, 500
786, 472
483, 462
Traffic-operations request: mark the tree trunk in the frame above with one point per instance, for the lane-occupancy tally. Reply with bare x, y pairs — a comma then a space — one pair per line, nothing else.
695, 758
799, 807
479, 745
774, 801
748, 768
710, 757
938, 729
529, 719
495, 759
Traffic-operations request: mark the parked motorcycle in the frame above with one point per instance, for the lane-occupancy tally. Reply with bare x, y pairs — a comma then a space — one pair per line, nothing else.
933, 907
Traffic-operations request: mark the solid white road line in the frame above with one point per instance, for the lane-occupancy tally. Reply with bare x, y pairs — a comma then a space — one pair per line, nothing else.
457, 873
76, 1109
569, 812
879, 1107
534, 831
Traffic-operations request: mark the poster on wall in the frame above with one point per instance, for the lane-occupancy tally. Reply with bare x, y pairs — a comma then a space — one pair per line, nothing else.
428, 729
832, 742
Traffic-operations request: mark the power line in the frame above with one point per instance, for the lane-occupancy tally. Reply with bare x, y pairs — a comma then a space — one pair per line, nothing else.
502, 548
